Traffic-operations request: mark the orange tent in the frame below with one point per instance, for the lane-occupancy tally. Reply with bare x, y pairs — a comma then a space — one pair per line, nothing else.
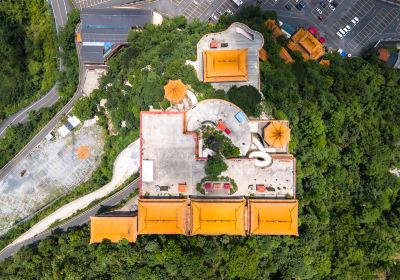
175, 91
277, 134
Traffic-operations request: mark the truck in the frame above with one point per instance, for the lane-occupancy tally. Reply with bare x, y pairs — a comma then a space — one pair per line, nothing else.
238, 2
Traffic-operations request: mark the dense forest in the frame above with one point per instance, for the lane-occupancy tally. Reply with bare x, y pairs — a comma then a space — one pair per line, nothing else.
28, 53
345, 132
17, 136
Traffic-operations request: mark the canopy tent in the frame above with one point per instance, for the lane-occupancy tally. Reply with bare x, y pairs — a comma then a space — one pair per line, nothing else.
277, 134
175, 91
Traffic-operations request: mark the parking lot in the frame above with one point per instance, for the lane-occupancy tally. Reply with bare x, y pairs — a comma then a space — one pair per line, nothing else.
378, 24
360, 9
209, 10
323, 13
88, 3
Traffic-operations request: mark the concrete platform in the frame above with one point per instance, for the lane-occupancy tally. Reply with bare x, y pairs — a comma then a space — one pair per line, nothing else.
238, 36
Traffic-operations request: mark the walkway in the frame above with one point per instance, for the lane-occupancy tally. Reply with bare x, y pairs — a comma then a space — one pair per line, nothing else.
126, 164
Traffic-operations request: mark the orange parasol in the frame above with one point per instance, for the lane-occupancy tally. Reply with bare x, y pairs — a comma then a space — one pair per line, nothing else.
175, 91
277, 134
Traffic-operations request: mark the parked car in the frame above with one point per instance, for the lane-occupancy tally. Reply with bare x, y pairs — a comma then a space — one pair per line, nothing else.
339, 35
313, 30
346, 28
323, 4
342, 52
321, 18
342, 31
335, 4
322, 40
288, 7
301, 5
332, 7
319, 11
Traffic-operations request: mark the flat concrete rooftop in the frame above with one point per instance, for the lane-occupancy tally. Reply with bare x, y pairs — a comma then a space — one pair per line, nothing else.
171, 149
238, 36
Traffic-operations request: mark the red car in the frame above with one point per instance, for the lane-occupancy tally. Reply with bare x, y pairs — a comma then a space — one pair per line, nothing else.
313, 30
321, 40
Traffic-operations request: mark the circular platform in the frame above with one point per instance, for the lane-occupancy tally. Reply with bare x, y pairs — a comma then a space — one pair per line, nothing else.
215, 110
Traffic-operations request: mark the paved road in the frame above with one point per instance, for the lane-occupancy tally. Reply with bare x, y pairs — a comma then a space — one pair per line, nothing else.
23, 115
60, 10
38, 138
76, 221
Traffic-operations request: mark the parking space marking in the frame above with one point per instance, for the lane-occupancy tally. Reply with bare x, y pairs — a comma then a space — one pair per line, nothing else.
89, 3
378, 24
177, 2
359, 9
196, 10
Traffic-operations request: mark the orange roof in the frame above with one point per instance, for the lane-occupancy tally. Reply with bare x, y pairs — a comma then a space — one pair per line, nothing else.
325, 62
285, 55
78, 37
182, 188
304, 42
175, 91
225, 65
277, 134
276, 30
162, 216
113, 228
214, 217
383, 54
273, 217
262, 53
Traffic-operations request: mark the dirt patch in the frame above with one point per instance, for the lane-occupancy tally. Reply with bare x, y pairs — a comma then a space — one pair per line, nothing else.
82, 152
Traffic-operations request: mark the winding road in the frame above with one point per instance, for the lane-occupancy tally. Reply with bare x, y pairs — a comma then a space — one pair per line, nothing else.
78, 220
60, 11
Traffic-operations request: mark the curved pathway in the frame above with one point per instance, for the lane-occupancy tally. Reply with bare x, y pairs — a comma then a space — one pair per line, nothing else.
125, 165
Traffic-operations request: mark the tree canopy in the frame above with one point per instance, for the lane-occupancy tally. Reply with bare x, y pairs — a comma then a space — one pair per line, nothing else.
246, 97
28, 53
345, 131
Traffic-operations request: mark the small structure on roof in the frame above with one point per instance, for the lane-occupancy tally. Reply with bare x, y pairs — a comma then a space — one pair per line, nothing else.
277, 134
175, 91
112, 228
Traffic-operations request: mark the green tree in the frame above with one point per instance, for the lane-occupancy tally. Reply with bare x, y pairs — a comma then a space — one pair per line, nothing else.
215, 165
246, 97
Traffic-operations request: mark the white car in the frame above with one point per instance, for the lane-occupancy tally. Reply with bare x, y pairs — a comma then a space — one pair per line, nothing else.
340, 35
319, 11
342, 31
347, 28
332, 7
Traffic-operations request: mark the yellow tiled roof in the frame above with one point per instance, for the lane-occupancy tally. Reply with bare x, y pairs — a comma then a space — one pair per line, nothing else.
113, 228
218, 217
225, 65
273, 217
162, 216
